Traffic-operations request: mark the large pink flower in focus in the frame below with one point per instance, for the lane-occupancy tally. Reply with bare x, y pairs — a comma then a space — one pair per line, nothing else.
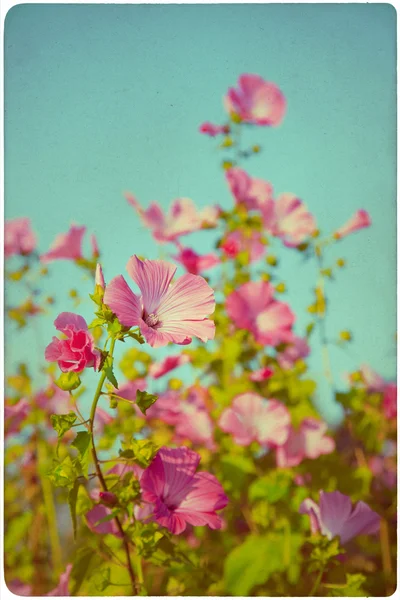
195, 263
289, 219
180, 495
358, 221
77, 352
237, 241
335, 515
18, 237
309, 441
67, 246
251, 418
253, 193
164, 313
158, 369
256, 101
253, 307
298, 348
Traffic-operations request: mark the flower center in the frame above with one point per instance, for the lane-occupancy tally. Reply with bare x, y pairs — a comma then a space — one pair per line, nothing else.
151, 320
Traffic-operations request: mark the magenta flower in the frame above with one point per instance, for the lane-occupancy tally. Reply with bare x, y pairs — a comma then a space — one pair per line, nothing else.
77, 352
18, 237
358, 221
164, 313
390, 401
309, 441
261, 374
14, 416
335, 515
289, 219
253, 307
62, 588
180, 495
158, 369
66, 246
195, 263
256, 101
298, 348
252, 193
212, 130
251, 418
242, 241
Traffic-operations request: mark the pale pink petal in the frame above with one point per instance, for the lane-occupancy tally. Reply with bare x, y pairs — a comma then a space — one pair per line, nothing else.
123, 302
153, 278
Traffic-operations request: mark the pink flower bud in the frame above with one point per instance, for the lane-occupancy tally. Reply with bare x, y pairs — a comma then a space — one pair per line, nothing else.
99, 278
108, 498
358, 221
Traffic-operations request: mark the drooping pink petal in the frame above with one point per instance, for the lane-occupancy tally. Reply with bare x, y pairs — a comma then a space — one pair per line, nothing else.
123, 302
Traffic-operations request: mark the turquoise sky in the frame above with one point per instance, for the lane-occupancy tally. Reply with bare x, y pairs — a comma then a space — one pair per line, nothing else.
105, 98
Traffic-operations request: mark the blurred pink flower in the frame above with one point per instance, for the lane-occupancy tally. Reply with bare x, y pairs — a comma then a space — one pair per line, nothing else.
14, 415
77, 352
95, 246
67, 246
97, 514
358, 221
373, 382
239, 241
253, 307
102, 418
128, 390
251, 418
62, 588
384, 470
261, 374
158, 369
335, 515
179, 494
164, 313
212, 130
256, 101
99, 277
17, 587
289, 219
196, 263
389, 403
18, 237
296, 349
309, 441
253, 193
53, 400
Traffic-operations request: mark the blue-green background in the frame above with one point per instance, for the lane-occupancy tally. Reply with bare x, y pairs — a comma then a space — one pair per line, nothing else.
105, 98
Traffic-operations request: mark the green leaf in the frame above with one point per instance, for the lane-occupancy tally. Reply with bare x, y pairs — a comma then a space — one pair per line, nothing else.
352, 587
141, 451
272, 487
108, 369
63, 423
101, 579
136, 336
64, 473
81, 567
68, 381
72, 498
82, 444
144, 400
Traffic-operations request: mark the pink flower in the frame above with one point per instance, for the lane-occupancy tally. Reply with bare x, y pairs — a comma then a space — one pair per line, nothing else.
358, 221
67, 246
336, 516
309, 441
289, 219
158, 369
18, 588
77, 352
95, 246
179, 494
390, 401
256, 101
261, 374
195, 263
18, 237
373, 382
102, 418
99, 277
96, 523
251, 418
253, 307
253, 193
298, 348
62, 588
239, 241
53, 400
212, 130
164, 313
14, 416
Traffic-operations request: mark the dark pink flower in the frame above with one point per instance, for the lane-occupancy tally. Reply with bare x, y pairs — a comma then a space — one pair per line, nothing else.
77, 352
253, 307
256, 101
335, 515
62, 588
180, 495
296, 349
196, 263
158, 369
251, 418
18, 237
212, 130
261, 374
358, 221
390, 401
289, 219
243, 241
164, 313
67, 246
253, 193
309, 441
14, 416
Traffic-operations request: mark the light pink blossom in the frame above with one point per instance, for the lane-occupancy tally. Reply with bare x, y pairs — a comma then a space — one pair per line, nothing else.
66, 246
164, 313
158, 369
62, 588
253, 307
358, 221
212, 130
14, 416
253, 193
18, 237
77, 352
251, 418
298, 348
196, 263
256, 101
389, 402
335, 515
261, 374
180, 495
241, 241
309, 441
289, 219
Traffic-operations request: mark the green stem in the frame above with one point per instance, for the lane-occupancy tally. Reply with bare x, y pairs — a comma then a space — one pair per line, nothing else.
317, 581
322, 323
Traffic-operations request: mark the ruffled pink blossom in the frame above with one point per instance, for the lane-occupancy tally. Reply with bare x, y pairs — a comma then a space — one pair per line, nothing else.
253, 193
335, 515
289, 219
389, 402
251, 418
309, 441
99, 277
158, 369
18, 237
14, 416
66, 246
253, 307
182, 218
256, 101
180, 495
196, 263
212, 130
358, 221
62, 588
77, 352
297, 349
261, 374
242, 241
164, 313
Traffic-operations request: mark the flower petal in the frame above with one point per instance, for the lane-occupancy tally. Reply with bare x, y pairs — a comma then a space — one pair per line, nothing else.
123, 302
153, 278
